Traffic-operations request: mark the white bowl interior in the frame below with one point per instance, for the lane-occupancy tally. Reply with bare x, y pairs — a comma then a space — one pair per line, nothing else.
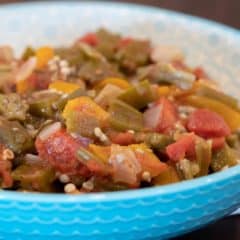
204, 43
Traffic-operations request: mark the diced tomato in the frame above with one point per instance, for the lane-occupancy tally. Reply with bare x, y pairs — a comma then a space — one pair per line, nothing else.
90, 39
124, 42
39, 80
123, 138
60, 150
200, 73
161, 117
185, 146
218, 143
207, 124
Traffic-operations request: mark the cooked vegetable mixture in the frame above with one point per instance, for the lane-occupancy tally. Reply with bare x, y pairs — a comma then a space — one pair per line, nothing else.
110, 113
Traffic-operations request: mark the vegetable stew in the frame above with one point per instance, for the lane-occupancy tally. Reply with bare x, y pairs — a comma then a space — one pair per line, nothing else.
110, 113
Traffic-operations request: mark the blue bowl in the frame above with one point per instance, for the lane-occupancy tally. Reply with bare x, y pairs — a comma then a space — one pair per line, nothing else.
159, 212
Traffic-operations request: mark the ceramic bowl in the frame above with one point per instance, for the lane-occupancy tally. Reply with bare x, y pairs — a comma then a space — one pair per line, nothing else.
159, 212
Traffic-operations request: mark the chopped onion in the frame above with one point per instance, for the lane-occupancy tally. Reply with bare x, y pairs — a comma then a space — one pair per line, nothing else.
32, 158
126, 166
163, 53
151, 116
49, 130
108, 94
26, 69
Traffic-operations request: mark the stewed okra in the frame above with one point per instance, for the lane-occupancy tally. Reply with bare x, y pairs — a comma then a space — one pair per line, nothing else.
110, 113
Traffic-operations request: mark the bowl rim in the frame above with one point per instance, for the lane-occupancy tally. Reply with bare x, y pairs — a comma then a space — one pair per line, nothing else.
137, 6
136, 193
143, 193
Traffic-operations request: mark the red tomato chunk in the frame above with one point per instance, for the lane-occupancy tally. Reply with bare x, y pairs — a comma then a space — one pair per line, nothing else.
184, 146
60, 151
161, 117
89, 38
207, 124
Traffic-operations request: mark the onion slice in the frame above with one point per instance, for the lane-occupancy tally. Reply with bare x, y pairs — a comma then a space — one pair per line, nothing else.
126, 166
49, 130
26, 69
151, 116
161, 53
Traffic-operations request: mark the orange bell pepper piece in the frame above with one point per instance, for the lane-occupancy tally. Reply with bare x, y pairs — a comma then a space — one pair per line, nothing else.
83, 115
168, 176
85, 105
43, 55
148, 160
164, 91
119, 82
102, 152
64, 87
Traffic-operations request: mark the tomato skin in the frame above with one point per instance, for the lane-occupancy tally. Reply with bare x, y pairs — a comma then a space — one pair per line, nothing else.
169, 116
207, 124
90, 39
185, 146
218, 143
123, 138
39, 81
162, 116
59, 150
200, 73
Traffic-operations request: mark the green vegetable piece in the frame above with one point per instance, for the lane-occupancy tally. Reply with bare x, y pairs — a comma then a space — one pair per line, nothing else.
87, 124
62, 101
15, 136
187, 169
41, 104
107, 94
138, 96
134, 54
226, 157
105, 184
94, 71
13, 107
34, 177
74, 55
92, 162
84, 154
166, 73
107, 43
124, 117
92, 66
203, 156
233, 141
157, 140
206, 91
29, 52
